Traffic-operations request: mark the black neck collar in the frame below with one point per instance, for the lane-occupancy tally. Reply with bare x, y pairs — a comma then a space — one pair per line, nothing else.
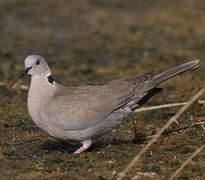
50, 79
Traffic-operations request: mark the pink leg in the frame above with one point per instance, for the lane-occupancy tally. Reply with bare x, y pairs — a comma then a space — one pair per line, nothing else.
79, 150
86, 144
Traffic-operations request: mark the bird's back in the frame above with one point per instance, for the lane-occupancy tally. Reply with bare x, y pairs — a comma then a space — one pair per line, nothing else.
81, 108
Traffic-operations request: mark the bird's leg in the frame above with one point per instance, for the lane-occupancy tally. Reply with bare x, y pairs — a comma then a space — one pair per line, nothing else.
133, 122
85, 145
138, 137
134, 127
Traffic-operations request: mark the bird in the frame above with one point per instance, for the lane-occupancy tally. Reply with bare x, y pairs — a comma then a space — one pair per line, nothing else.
83, 113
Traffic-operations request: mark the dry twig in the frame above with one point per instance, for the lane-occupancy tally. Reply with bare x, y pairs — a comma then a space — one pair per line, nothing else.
199, 122
23, 87
16, 84
152, 141
183, 129
165, 106
187, 161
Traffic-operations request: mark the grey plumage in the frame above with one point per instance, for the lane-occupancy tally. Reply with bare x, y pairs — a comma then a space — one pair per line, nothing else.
83, 113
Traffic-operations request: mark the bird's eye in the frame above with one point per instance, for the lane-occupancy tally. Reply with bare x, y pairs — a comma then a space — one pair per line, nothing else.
37, 62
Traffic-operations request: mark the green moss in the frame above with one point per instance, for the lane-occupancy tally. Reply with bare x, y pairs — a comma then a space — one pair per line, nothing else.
57, 160
174, 163
186, 150
10, 153
194, 167
184, 177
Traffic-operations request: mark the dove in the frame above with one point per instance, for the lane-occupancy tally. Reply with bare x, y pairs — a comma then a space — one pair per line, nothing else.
86, 112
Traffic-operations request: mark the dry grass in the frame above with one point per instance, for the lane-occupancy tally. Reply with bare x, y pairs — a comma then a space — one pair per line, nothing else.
187, 161
152, 141
92, 42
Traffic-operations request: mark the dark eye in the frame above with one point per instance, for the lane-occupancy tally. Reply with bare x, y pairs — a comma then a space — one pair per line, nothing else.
37, 62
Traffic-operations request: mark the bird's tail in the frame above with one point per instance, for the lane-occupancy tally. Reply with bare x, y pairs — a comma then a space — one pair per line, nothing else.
158, 79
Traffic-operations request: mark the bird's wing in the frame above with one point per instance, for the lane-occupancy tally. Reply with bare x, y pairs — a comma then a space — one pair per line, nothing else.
84, 107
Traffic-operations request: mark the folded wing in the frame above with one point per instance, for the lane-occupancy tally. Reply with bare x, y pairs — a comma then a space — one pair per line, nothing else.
84, 107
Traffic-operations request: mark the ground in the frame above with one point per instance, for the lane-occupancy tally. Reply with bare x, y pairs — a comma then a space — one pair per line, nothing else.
93, 42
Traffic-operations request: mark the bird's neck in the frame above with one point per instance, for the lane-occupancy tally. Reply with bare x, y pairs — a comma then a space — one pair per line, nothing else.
43, 77
42, 85
40, 92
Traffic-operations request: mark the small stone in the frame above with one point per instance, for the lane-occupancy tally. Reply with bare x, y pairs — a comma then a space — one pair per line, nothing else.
114, 173
110, 161
135, 177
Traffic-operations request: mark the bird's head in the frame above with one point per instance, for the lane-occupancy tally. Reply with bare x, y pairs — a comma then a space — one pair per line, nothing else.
35, 65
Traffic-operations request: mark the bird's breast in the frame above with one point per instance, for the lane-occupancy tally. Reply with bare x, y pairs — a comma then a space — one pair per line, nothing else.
40, 92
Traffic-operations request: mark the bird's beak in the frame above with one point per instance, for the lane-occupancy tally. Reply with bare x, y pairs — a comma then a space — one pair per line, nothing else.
24, 72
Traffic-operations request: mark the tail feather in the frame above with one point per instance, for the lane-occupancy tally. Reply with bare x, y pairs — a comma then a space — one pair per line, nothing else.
158, 79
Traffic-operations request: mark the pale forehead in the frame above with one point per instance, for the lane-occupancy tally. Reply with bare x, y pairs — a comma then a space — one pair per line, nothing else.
31, 59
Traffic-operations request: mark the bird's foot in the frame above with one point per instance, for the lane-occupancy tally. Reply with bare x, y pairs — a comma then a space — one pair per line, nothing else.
79, 150
86, 145
139, 138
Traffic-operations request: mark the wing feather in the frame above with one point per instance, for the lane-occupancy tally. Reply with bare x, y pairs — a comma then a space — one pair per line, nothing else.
84, 107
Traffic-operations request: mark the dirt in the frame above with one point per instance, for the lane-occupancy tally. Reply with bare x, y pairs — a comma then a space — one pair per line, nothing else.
93, 42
